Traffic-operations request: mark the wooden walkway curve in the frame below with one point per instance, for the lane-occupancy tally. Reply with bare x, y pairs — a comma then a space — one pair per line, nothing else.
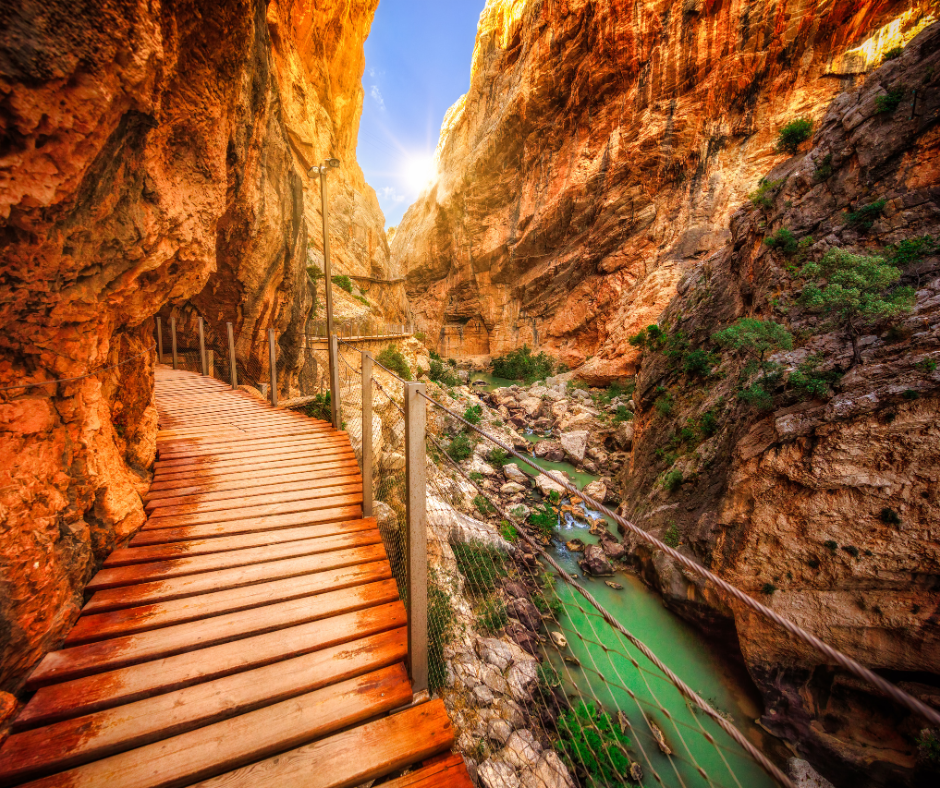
250, 634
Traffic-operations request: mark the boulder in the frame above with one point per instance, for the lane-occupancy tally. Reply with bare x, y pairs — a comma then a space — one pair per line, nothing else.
476, 465
596, 490
548, 450
531, 406
522, 749
516, 590
510, 711
499, 731
624, 435
494, 652
559, 409
560, 640
547, 485
613, 549
538, 391
523, 677
493, 679
574, 445
459, 528
549, 772
515, 474
483, 695
595, 562
497, 774
511, 488
526, 639
575, 545
525, 612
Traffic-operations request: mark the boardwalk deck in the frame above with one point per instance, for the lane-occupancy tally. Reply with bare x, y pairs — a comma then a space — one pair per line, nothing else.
250, 634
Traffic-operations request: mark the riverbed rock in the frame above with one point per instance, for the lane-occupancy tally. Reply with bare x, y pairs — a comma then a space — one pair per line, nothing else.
624, 435
559, 409
560, 640
523, 637
595, 562
525, 612
547, 485
515, 474
549, 450
497, 774
532, 406
516, 590
511, 488
597, 490
805, 776
575, 545
613, 549
613, 585
522, 749
574, 445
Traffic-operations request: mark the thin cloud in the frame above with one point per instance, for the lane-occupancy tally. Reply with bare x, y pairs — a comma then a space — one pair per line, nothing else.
392, 196
377, 97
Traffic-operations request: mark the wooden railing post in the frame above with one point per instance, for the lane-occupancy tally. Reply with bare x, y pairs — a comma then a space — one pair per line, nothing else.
210, 353
202, 345
173, 339
159, 340
417, 538
336, 412
233, 372
366, 434
272, 362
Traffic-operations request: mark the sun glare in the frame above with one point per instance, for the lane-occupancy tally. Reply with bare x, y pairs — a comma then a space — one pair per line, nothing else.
420, 171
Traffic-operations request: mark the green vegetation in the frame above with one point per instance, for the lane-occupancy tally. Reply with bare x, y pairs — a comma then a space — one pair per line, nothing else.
823, 169
755, 340
482, 565
851, 549
926, 365
545, 603
473, 414
762, 197
497, 457
651, 337
699, 363
392, 358
928, 748
460, 448
442, 373
864, 218
793, 134
320, 407
343, 282
768, 588
522, 364
856, 291
784, 241
362, 299
593, 745
709, 424
508, 531
549, 677
831, 546
894, 52
912, 250
441, 621
544, 519
673, 480
911, 394
492, 615
483, 505
890, 101
671, 537
889, 517
664, 402
622, 414
809, 382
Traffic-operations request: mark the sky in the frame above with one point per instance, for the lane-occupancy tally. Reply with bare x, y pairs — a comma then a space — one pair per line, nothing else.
417, 65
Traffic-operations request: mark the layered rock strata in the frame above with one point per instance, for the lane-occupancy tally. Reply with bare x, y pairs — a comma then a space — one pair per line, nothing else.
152, 154
822, 502
599, 153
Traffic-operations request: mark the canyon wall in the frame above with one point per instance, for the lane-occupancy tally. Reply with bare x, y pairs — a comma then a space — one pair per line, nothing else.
599, 153
152, 154
820, 501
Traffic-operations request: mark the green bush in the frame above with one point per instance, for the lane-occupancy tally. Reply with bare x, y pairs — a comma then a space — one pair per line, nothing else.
392, 358
549, 678
912, 250
762, 197
851, 549
823, 169
622, 413
460, 448
508, 531
671, 537
757, 396
864, 218
889, 102
754, 338
483, 566
362, 300
652, 338
548, 604
809, 382
522, 364
673, 480
894, 52
441, 621
320, 407
784, 241
483, 505
708, 424
768, 588
698, 363
473, 414
911, 394
793, 134
343, 282
441, 373
926, 365
592, 744
492, 616
544, 519
497, 457
889, 516
831, 546
664, 402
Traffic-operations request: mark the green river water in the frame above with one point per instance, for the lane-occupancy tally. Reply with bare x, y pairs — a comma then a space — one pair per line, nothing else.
606, 671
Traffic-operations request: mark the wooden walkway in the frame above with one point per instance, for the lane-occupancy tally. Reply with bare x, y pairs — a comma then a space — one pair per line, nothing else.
250, 634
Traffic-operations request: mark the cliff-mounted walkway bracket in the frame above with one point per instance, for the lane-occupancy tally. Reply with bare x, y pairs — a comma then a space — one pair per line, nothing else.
249, 634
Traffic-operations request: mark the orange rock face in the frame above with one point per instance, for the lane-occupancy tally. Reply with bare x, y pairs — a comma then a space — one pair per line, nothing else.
149, 155
600, 152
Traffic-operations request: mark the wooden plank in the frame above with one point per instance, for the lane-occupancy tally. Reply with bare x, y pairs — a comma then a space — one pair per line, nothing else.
251, 446
334, 449
355, 756
265, 732
443, 771
123, 556
272, 496
303, 462
190, 585
114, 577
126, 650
244, 417
183, 433
97, 626
305, 504
186, 533
249, 484
204, 428
73, 742
113, 688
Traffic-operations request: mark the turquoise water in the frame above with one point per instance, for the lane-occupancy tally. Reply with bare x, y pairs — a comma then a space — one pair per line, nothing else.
607, 673
492, 382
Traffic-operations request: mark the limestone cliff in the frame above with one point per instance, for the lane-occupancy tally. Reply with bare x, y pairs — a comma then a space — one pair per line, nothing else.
822, 500
600, 151
151, 154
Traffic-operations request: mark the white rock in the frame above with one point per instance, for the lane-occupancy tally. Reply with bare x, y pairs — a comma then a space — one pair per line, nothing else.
547, 485
483, 695
624, 435
459, 528
522, 678
476, 465
597, 490
499, 731
494, 652
495, 681
549, 772
510, 711
538, 391
559, 409
515, 474
560, 640
511, 488
804, 776
575, 444
522, 750
531, 406
497, 774
393, 461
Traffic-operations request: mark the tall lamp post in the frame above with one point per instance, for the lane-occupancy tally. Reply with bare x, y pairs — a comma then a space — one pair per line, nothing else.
322, 170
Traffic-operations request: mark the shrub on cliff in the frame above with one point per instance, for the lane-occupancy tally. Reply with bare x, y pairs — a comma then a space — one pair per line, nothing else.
794, 134
864, 218
460, 448
441, 373
392, 358
483, 566
320, 407
855, 291
593, 745
783, 241
889, 102
343, 282
762, 197
441, 620
755, 340
523, 364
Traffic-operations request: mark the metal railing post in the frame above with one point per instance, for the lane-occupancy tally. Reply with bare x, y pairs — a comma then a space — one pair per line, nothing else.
272, 362
173, 339
159, 340
417, 538
202, 345
336, 412
233, 372
210, 353
366, 434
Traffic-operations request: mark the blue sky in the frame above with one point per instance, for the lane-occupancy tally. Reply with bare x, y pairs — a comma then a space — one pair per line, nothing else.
417, 65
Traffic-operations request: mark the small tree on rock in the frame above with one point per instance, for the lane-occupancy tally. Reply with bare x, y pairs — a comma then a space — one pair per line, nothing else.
756, 340
856, 291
